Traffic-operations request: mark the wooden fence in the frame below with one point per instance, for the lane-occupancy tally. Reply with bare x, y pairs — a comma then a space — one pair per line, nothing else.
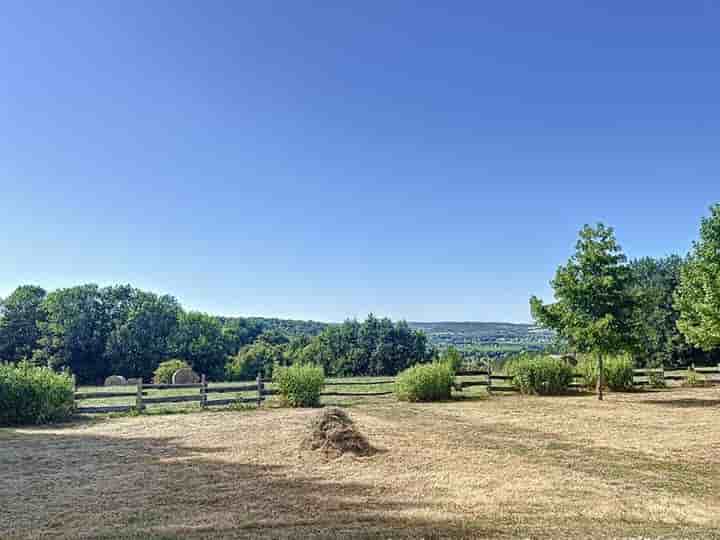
202, 396
497, 382
493, 382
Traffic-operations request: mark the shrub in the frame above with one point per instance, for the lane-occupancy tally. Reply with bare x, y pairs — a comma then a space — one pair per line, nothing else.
656, 380
425, 382
34, 395
453, 358
165, 370
617, 372
260, 357
542, 375
694, 379
300, 384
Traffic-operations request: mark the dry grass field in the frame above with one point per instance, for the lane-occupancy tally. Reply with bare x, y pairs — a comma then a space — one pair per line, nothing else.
639, 465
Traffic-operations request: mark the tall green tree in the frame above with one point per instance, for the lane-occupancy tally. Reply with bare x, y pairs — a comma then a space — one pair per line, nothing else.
75, 332
373, 347
199, 340
594, 303
257, 358
20, 315
656, 338
136, 345
698, 295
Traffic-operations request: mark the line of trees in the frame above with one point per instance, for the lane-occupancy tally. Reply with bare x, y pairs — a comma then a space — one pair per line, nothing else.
95, 332
98, 331
663, 311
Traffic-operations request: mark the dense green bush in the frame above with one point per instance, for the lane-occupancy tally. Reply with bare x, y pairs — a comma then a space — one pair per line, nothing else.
300, 385
34, 395
164, 372
453, 358
260, 357
542, 375
656, 380
425, 382
693, 378
617, 372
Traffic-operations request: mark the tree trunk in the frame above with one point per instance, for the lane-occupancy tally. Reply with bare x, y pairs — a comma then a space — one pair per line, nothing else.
600, 378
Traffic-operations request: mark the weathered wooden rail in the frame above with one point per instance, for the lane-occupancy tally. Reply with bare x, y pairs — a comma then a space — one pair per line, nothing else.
493, 382
142, 398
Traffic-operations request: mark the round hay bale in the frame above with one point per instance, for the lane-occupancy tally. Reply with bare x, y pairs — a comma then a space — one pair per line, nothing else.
115, 380
333, 432
185, 376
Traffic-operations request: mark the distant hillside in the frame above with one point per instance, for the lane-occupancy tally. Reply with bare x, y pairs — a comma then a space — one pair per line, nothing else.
476, 336
485, 334
288, 327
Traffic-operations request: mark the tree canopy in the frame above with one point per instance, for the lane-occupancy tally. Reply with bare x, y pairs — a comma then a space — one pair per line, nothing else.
593, 305
20, 315
698, 295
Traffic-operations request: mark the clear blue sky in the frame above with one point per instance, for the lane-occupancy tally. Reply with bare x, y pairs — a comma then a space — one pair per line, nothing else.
427, 161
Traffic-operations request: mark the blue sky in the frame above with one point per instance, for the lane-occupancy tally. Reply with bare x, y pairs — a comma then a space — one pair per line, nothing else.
421, 160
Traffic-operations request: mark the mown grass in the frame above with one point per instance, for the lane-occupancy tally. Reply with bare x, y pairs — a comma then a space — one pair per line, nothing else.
639, 464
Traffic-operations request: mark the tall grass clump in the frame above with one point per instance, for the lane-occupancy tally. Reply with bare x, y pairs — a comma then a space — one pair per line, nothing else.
300, 385
34, 395
425, 382
693, 378
542, 375
617, 372
453, 358
165, 370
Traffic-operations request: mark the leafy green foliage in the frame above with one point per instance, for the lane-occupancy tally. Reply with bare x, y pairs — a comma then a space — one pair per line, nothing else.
656, 339
617, 372
698, 295
20, 314
542, 375
199, 339
425, 382
75, 332
593, 311
300, 385
373, 347
164, 372
260, 357
138, 342
34, 395
656, 380
452, 358
694, 378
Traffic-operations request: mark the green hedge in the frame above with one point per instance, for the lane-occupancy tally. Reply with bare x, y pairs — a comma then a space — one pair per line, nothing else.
617, 372
425, 382
34, 395
164, 372
300, 385
543, 375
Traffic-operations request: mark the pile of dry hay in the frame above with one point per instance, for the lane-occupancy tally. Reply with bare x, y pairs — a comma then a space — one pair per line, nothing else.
334, 432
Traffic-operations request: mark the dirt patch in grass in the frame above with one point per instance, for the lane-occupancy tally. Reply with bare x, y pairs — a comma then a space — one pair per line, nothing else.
504, 467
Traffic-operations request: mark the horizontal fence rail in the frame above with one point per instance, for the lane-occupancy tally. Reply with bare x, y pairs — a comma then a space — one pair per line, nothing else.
493, 382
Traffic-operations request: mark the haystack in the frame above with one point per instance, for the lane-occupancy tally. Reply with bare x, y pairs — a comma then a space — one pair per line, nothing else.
333, 432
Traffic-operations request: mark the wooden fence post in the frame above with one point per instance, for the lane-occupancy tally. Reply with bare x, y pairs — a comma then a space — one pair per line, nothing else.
203, 391
139, 399
662, 374
259, 389
489, 376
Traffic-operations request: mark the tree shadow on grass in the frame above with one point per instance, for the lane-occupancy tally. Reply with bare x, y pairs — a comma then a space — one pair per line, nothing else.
82, 485
684, 403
